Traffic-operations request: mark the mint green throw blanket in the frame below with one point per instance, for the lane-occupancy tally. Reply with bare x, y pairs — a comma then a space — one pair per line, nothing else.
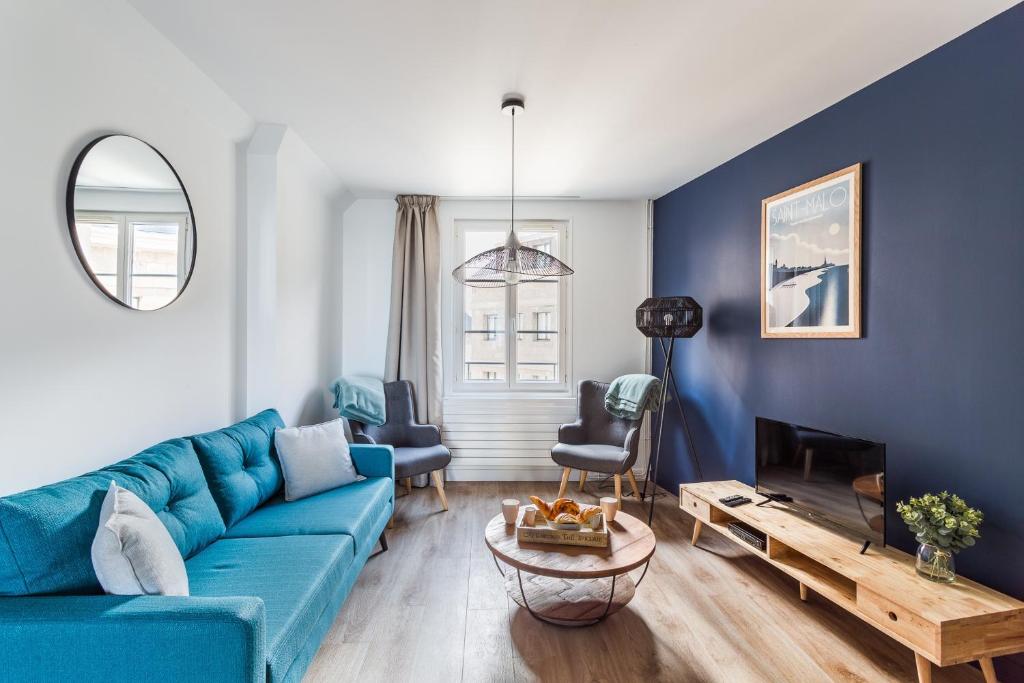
361, 398
630, 395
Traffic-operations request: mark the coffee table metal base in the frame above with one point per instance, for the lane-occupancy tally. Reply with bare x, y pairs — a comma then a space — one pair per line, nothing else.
569, 602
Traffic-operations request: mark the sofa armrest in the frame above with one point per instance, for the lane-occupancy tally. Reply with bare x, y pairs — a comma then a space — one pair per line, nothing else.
144, 638
373, 460
572, 434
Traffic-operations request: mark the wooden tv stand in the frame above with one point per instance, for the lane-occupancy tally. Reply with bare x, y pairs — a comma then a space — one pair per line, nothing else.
943, 624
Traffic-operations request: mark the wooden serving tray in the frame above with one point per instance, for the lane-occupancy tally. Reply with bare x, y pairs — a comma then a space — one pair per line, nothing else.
542, 533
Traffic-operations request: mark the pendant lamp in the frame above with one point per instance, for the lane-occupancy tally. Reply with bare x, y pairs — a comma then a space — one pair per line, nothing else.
512, 263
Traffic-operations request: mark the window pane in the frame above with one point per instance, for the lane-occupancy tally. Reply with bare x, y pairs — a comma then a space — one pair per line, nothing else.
484, 341
154, 264
540, 240
477, 241
99, 245
537, 345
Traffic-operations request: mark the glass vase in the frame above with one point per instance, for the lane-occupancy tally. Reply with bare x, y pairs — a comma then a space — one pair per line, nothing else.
935, 564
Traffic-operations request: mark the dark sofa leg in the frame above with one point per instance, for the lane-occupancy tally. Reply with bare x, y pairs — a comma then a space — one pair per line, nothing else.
383, 542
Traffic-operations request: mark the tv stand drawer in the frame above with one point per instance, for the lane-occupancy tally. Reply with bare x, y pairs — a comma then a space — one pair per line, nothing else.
703, 510
897, 620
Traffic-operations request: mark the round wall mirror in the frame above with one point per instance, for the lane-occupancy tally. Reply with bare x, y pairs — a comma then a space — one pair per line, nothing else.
131, 222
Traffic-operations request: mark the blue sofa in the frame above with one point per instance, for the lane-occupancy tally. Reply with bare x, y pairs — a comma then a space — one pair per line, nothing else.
266, 577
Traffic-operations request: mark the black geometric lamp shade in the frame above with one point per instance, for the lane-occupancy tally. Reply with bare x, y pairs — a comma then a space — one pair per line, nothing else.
669, 316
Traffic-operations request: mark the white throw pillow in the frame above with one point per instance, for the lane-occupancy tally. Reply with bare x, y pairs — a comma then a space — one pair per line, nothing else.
132, 553
314, 459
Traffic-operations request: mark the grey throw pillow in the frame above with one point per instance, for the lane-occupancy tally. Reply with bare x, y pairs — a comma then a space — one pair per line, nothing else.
314, 459
132, 552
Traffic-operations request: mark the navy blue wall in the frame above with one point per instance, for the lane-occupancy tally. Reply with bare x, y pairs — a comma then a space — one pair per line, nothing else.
939, 374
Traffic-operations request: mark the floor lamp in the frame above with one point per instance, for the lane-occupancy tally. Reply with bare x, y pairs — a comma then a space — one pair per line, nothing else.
661, 318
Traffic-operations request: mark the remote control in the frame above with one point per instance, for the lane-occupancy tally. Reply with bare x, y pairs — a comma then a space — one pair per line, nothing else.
737, 502
729, 499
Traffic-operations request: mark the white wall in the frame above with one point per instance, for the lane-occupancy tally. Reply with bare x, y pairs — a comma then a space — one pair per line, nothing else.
307, 300
86, 382
609, 252
368, 237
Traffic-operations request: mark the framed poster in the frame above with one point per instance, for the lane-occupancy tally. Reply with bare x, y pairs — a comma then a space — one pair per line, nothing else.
810, 259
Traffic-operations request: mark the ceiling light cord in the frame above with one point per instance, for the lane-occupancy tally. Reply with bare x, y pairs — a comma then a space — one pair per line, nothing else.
513, 170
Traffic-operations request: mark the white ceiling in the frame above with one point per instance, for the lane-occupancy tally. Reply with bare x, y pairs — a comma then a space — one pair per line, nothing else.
624, 98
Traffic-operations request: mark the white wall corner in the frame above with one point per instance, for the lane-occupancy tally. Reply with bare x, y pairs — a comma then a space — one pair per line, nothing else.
258, 269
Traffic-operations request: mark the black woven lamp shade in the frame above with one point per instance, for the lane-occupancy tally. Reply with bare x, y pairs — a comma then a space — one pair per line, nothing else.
511, 264
669, 316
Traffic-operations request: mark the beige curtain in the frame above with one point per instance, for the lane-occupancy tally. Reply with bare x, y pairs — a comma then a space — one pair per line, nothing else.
414, 331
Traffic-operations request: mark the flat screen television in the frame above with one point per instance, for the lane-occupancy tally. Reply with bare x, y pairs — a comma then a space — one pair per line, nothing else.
835, 479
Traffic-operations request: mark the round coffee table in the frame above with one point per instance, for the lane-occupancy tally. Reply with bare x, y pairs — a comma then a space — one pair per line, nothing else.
572, 585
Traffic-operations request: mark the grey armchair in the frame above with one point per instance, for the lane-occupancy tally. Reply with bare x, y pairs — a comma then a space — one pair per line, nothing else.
418, 447
597, 441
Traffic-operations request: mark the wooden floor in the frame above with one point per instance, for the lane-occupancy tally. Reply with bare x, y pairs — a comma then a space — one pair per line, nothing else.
433, 608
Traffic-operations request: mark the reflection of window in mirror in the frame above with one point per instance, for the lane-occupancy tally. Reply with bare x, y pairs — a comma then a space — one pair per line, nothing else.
131, 222
141, 258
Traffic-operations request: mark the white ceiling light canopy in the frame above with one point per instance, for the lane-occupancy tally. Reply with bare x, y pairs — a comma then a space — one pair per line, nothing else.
512, 263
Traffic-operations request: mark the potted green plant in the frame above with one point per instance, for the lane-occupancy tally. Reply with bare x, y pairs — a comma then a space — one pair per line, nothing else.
943, 524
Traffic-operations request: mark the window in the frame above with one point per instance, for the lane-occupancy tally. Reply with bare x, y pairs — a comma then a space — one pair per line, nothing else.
511, 338
542, 323
139, 258
492, 326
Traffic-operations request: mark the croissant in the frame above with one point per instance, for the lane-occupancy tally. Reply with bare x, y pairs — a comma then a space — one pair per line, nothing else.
552, 510
565, 511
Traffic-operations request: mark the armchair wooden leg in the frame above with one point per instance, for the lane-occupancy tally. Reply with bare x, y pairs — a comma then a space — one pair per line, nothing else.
618, 489
391, 522
565, 482
583, 479
408, 485
632, 484
383, 542
439, 485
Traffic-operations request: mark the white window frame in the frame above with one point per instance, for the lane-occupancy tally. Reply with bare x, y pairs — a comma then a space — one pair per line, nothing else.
510, 385
126, 237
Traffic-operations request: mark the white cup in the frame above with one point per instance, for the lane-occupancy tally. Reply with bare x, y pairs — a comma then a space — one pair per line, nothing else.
530, 515
609, 506
510, 510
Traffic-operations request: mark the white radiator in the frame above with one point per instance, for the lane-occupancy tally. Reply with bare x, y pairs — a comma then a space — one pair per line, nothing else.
508, 439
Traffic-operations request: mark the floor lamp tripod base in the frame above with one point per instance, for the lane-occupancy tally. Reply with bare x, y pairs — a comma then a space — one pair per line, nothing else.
667, 381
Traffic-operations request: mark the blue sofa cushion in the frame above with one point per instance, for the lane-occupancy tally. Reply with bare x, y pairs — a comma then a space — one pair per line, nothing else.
355, 509
295, 576
241, 465
46, 533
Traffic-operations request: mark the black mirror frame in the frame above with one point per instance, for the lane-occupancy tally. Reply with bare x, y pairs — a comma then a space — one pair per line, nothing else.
73, 231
